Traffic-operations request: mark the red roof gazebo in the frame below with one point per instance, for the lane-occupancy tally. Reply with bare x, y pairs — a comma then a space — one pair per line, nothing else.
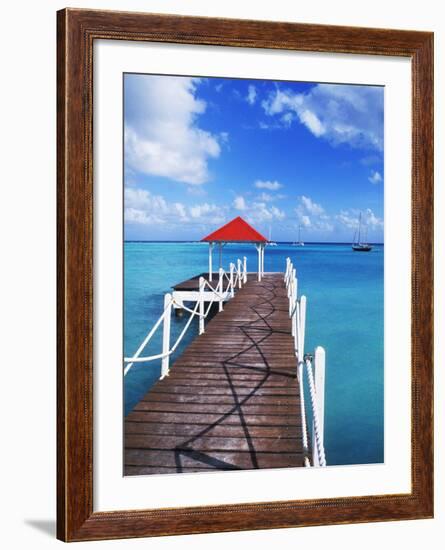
236, 231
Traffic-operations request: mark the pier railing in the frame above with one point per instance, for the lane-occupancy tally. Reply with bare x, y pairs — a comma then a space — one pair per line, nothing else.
311, 365
207, 294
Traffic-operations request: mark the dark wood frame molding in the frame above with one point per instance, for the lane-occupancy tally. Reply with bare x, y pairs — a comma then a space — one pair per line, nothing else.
77, 30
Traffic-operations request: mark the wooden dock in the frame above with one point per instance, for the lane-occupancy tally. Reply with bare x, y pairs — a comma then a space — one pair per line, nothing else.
231, 400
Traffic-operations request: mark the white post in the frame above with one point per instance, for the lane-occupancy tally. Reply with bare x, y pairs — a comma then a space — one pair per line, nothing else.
245, 270
286, 273
166, 335
264, 251
220, 286
259, 261
319, 382
240, 280
300, 372
263, 248
298, 331
210, 261
220, 254
293, 303
232, 290
302, 325
292, 290
289, 295
289, 279
201, 305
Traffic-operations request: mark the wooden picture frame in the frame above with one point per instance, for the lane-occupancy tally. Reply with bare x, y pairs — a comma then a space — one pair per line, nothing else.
77, 31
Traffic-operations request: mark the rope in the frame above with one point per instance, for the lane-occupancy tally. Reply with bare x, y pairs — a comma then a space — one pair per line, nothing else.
146, 340
176, 344
294, 313
303, 416
320, 448
137, 359
214, 290
194, 312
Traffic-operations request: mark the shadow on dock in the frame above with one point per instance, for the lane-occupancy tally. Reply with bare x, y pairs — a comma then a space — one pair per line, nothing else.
231, 401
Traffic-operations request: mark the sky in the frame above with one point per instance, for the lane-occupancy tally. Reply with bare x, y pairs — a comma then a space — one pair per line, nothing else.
200, 151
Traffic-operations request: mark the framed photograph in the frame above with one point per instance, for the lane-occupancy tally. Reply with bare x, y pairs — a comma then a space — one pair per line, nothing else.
245, 231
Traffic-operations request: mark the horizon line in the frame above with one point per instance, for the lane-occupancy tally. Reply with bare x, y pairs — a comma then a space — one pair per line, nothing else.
236, 242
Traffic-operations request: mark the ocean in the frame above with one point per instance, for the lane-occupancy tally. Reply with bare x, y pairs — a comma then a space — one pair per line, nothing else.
344, 291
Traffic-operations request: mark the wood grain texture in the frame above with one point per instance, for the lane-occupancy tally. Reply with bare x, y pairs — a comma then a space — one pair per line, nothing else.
77, 30
235, 432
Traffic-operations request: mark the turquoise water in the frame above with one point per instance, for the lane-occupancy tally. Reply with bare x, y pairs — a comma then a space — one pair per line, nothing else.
344, 291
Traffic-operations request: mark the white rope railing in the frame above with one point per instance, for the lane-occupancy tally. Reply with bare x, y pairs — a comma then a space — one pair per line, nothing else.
303, 416
315, 370
217, 293
138, 359
318, 457
149, 336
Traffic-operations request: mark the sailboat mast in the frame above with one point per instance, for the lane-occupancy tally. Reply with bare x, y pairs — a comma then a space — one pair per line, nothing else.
299, 233
359, 227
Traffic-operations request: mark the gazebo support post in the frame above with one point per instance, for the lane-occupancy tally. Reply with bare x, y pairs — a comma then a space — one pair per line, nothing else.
237, 231
262, 259
210, 261
259, 248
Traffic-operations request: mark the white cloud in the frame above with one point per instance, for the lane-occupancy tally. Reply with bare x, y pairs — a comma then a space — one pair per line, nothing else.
196, 190
315, 219
312, 215
287, 119
371, 219
277, 213
162, 136
347, 220
259, 212
305, 221
270, 197
375, 177
143, 207
311, 206
279, 102
337, 113
311, 120
251, 94
350, 219
202, 210
270, 185
265, 197
239, 203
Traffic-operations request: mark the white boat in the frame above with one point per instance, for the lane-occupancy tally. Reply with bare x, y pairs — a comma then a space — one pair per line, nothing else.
358, 245
299, 242
271, 242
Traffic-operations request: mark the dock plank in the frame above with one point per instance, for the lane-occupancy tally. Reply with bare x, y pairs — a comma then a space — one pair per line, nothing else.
231, 400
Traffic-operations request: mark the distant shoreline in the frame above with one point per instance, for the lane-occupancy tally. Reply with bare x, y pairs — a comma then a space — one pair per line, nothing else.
278, 242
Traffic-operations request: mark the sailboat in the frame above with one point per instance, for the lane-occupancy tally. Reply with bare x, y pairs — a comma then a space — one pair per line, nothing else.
271, 242
300, 242
357, 245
